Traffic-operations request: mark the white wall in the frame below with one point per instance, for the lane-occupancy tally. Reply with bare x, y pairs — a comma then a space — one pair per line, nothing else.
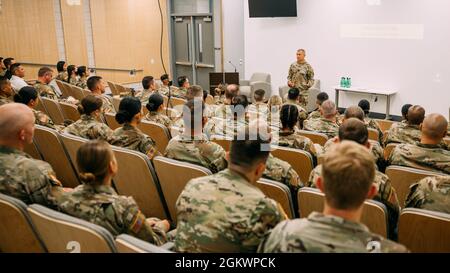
418, 68
233, 35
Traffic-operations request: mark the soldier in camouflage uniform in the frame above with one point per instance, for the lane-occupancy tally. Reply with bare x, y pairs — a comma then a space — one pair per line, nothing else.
428, 154
430, 193
259, 108
98, 88
287, 136
45, 76
97, 202
224, 111
348, 172
22, 177
219, 94
6, 91
321, 97
83, 75
129, 136
28, 95
88, 125
408, 132
155, 107
72, 75
293, 99
327, 124
355, 130
148, 83
181, 92
365, 106
61, 66
301, 76
226, 212
192, 145
166, 87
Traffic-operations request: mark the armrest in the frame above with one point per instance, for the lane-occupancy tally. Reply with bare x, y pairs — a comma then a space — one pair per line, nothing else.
244, 83
168, 246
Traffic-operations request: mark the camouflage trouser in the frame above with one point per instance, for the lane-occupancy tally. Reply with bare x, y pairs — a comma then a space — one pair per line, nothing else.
304, 94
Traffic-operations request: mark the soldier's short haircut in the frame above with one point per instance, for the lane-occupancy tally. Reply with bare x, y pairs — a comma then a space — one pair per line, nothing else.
193, 113
355, 130
405, 109
354, 112
60, 66
93, 159
434, 126
25, 95
14, 67
247, 152
328, 108
81, 71
231, 91
259, 95
348, 171
154, 102
365, 106
93, 81
43, 71
164, 77
293, 93
274, 100
3, 81
7, 62
416, 114
89, 104
181, 80
194, 91
128, 108
321, 97
289, 116
147, 82
302, 50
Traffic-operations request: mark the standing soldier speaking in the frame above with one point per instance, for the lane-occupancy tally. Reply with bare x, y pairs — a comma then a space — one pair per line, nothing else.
301, 76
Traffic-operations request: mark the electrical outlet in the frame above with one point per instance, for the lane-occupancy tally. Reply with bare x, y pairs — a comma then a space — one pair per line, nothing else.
241, 61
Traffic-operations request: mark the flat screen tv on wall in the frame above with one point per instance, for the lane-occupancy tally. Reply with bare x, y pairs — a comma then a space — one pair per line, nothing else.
272, 8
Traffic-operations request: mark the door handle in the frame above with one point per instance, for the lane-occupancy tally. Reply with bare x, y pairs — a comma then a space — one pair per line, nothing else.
201, 65
184, 63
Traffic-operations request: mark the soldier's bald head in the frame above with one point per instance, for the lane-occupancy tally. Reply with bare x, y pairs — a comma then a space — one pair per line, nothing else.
416, 114
434, 126
231, 91
14, 117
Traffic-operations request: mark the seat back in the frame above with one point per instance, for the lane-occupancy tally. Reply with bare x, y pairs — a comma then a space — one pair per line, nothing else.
388, 150
278, 192
315, 137
374, 214
69, 111
40, 106
373, 134
384, 124
53, 110
116, 102
53, 151
447, 141
113, 88
111, 121
86, 92
424, 231
177, 101
209, 100
403, 177
159, 133
222, 141
300, 160
136, 177
173, 175
64, 88
77, 92
129, 244
33, 151
17, 232
71, 145
62, 233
